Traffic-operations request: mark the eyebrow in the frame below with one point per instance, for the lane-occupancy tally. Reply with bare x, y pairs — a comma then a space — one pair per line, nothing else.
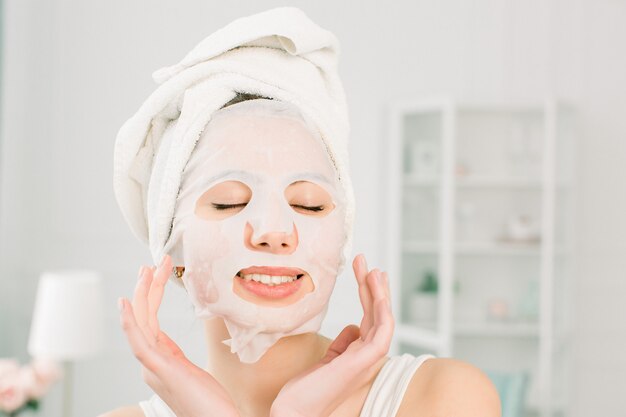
211, 180
297, 177
310, 175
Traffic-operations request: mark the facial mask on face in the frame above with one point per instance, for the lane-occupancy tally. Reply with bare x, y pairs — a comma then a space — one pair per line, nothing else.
266, 146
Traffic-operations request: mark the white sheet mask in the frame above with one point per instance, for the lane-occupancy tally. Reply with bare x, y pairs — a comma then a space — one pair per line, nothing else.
266, 146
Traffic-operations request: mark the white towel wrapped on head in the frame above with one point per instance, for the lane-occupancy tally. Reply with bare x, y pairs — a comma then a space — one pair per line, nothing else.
279, 54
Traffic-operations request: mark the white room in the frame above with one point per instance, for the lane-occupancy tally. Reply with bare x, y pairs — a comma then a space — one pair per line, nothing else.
487, 143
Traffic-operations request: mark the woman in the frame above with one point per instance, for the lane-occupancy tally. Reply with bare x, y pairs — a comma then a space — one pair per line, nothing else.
250, 194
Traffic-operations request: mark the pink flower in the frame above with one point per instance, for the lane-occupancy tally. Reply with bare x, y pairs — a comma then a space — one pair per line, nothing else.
8, 366
12, 395
37, 377
47, 369
17, 385
29, 382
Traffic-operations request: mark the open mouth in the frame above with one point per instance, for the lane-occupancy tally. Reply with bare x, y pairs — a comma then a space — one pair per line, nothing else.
271, 282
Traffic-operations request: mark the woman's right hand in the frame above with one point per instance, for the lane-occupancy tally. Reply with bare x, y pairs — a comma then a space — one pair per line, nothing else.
187, 389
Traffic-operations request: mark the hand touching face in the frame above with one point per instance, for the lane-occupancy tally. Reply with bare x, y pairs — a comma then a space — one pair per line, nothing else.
352, 360
187, 389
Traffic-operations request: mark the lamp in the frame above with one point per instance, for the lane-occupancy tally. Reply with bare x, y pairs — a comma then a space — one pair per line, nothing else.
67, 321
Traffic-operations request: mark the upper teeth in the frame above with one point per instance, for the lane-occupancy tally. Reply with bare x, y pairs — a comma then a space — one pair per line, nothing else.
268, 279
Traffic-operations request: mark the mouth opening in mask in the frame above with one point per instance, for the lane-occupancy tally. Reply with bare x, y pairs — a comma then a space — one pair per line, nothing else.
272, 286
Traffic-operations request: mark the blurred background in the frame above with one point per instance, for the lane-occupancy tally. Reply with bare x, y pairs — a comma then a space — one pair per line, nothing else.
488, 154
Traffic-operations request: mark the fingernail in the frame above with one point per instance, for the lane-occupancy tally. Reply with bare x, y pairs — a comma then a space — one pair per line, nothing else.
363, 262
120, 304
162, 260
374, 273
140, 273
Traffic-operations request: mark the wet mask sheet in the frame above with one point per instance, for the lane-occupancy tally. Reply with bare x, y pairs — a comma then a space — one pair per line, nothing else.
268, 148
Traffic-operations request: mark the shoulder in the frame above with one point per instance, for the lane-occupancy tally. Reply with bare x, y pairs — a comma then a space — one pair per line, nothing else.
443, 386
128, 411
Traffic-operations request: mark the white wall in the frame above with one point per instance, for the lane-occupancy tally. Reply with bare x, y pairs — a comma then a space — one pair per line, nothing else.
74, 71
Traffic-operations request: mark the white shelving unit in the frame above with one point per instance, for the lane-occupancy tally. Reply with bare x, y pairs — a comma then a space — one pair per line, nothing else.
457, 174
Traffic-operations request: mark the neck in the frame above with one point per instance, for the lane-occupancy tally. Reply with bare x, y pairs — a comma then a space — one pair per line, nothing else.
254, 386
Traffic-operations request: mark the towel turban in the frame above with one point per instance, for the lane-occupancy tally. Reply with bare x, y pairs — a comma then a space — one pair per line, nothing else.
279, 54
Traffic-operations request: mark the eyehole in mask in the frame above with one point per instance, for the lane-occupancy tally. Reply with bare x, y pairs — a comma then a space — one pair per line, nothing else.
230, 197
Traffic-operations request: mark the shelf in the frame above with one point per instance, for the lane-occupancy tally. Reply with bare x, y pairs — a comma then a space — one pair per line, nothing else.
477, 248
422, 337
497, 329
410, 333
558, 406
477, 182
450, 159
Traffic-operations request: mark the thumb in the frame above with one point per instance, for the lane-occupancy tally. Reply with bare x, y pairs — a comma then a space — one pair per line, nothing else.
348, 335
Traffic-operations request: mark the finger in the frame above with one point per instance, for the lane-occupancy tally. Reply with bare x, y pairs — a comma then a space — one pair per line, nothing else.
382, 304
140, 302
386, 286
382, 330
140, 346
374, 279
382, 314
348, 335
156, 292
376, 285
360, 272
368, 319
140, 295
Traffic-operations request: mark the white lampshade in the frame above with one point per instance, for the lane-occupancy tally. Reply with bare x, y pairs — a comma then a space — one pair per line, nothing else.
68, 317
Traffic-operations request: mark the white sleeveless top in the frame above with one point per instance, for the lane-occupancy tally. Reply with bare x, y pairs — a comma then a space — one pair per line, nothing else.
383, 399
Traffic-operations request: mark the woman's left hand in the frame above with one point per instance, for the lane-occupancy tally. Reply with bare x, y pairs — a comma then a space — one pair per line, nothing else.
350, 359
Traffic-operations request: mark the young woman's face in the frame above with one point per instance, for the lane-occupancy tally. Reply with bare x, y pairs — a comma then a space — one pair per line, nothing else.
268, 214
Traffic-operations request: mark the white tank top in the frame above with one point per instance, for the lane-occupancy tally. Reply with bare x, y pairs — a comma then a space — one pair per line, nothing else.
383, 399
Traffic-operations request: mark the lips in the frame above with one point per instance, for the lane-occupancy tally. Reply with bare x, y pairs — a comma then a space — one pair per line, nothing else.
272, 270
266, 289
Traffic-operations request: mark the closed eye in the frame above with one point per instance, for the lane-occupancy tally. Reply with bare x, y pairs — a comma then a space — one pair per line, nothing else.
218, 206
309, 208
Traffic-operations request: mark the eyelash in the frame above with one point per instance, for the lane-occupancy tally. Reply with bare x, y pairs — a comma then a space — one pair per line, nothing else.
309, 208
226, 206
230, 206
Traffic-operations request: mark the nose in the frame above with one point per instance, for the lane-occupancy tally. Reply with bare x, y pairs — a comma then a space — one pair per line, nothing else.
280, 243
